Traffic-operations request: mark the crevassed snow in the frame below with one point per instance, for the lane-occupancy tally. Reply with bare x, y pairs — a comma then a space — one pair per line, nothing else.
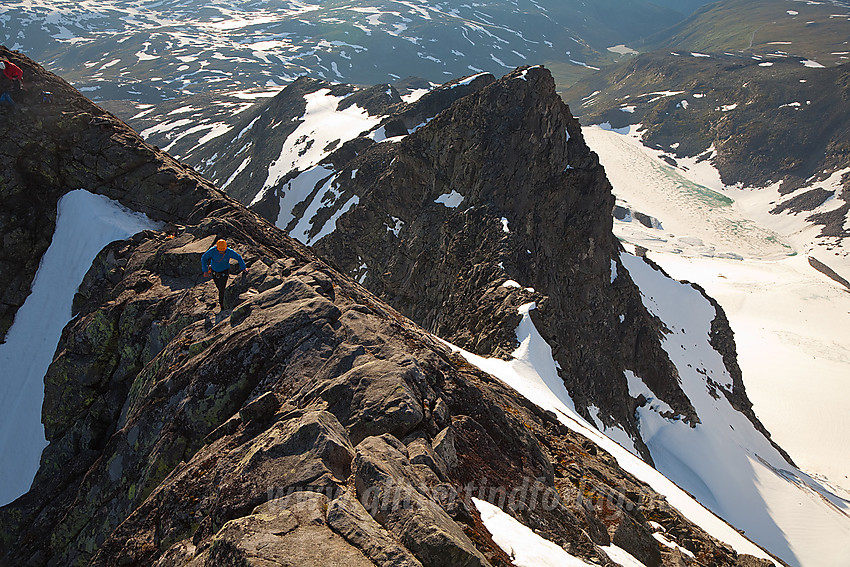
526, 548
85, 224
533, 373
688, 204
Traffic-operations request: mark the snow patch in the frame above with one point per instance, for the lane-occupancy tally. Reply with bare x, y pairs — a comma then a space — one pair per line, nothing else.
396, 226
85, 223
451, 200
526, 548
321, 124
724, 461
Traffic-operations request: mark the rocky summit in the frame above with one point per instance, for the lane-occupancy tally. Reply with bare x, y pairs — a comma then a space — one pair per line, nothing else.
312, 424
478, 198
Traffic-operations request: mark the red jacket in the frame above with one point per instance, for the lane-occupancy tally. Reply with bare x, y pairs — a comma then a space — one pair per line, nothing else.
12, 71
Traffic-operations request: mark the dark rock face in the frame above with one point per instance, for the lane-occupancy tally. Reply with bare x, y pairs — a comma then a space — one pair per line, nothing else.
261, 134
536, 209
152, 460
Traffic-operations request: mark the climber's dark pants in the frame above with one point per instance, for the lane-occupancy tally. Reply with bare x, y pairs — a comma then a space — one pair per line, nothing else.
220, 279
7, 85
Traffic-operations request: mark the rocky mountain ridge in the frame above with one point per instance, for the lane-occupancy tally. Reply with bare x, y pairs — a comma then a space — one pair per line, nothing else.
463, 221
66, 144
532, 224
181, 436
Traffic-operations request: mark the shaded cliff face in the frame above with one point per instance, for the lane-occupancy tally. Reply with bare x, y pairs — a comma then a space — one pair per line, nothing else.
70, 143
494, 203
311, 422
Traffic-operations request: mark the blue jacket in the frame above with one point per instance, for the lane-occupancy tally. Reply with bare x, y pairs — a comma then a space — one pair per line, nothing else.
219, 262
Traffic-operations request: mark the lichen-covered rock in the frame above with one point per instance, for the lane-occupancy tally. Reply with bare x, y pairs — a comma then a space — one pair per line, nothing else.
68, 144
282, 532
387, 485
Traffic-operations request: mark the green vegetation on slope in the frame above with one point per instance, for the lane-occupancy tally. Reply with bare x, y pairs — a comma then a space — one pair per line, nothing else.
813, 30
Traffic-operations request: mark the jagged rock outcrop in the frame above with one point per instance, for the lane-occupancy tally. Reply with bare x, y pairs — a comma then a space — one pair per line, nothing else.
535, 210
170, 466
312, 424
70, 143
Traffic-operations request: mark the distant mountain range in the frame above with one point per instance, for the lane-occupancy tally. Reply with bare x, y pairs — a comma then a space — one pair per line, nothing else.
151, 50
768, 28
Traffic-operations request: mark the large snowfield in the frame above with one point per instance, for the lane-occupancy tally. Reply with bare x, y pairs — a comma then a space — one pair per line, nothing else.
85, 223
723, 464
533, 373
790, 323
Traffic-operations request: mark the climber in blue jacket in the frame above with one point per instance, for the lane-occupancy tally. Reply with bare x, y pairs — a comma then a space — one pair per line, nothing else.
216, 263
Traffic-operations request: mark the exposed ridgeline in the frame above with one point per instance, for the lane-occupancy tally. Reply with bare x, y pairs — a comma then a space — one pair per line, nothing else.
71, 143
534, 224
313, 425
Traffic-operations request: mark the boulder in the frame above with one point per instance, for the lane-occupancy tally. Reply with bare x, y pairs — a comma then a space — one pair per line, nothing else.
386, 486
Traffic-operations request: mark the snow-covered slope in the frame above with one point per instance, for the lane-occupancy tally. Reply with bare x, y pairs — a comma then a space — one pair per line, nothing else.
321, 124
86, 223
788, 320
722, 462
532, 372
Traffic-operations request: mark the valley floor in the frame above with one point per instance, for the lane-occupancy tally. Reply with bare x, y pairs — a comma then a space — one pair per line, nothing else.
789, 320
